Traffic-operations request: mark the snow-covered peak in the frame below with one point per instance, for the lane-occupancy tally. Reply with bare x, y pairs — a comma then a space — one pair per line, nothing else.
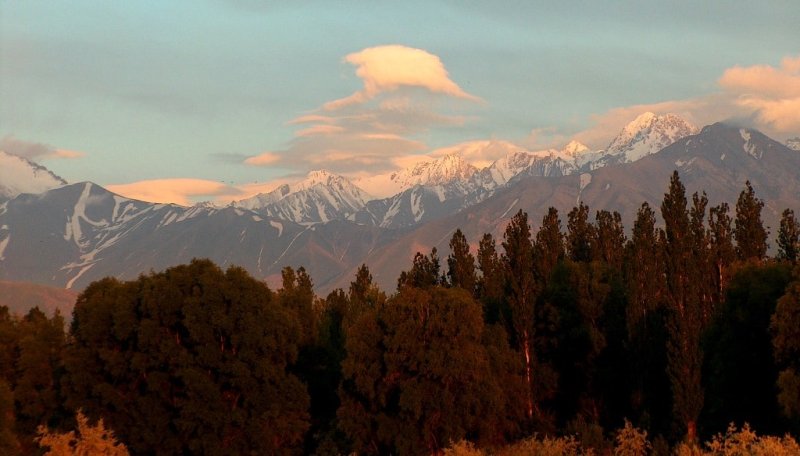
449, 168
320, 176
437, 172
19, 175
793, 143
574, 148
649, 133
320, 197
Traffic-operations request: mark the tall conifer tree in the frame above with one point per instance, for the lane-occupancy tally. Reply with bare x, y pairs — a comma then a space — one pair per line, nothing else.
684, 355
749, 231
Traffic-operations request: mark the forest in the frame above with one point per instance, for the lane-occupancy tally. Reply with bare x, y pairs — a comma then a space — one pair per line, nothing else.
678, 335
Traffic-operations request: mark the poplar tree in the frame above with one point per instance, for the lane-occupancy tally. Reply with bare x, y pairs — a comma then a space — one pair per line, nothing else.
580, 234
491, 284
461, 264
521, 290
424, 272
549, 246
751, 237
609, 239
789, 237
644, 273
721, 250
684, 355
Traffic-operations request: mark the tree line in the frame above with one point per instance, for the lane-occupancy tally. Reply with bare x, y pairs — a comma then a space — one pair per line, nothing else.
680, 327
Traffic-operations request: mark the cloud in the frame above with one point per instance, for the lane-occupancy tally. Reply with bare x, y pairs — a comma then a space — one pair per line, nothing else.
263, 159
480, 153
765, 80
772, 94
183, 191
389, 118
388, 68
35, 150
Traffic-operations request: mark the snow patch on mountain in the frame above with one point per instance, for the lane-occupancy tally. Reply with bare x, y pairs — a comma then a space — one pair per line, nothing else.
19, 175
441, 171
793, 143
647, 134
320, 197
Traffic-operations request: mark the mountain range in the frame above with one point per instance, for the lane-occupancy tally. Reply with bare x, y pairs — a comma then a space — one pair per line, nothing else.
66, 236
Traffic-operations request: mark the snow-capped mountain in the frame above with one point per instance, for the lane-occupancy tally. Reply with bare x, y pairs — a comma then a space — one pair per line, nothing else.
793, 143
19, 175
441, 171
72, 235
320, 197
647, 134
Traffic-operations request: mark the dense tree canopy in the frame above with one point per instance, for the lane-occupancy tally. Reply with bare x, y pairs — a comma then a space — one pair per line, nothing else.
192, 359
676, 327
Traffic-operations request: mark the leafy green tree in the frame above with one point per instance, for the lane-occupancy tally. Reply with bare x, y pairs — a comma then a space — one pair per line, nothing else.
297, 295
549, 246
580, 234
749, 231
685, 357
785, 327
491, 284
424, 272
461, 264
417, 376
609, 239
739, 370
789, 237
189, 360
722, 253
9, 444
521, 292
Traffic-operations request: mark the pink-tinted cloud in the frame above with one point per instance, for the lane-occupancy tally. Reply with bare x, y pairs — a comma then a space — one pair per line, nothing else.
321, 129
388, 68
771, 93
183, 191
480, 153
765, 80
263, 159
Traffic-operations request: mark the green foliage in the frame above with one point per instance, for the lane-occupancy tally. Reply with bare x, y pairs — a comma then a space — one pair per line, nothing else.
785, 326
789, 237
740, 371
751, 237
461, 264
9, 445
417, 375
424, 272
685, 313
192, 359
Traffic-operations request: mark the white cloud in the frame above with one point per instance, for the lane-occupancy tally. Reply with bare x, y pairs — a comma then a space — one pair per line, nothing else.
388, 68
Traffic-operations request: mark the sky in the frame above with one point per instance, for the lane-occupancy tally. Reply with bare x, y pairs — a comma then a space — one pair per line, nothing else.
182, 101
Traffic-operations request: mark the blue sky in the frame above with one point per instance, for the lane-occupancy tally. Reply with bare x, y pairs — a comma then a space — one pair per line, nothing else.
131, 92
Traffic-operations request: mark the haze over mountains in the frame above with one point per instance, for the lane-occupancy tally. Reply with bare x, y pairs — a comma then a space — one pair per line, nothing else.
69, 235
